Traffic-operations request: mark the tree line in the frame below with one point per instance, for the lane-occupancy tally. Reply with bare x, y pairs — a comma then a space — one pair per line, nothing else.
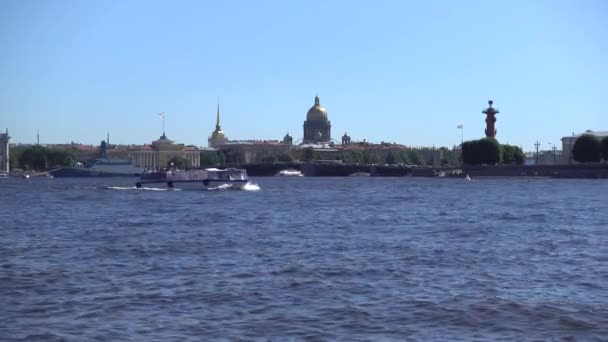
398, 156
39, 158
488, 151
590, 149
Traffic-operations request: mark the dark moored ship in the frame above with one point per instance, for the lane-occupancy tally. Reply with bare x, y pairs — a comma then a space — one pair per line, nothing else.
102, 167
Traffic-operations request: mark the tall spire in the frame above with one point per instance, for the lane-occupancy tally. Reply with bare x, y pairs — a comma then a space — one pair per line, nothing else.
317, 100
217, 121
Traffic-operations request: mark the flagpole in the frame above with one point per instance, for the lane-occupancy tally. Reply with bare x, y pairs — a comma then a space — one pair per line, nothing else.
461, 128
162, 115
461, 133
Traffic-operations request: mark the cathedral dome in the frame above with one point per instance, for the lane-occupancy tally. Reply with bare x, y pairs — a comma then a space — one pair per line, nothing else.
316, 112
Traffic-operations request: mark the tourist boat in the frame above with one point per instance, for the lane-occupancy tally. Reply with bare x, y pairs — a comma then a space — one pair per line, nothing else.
290, 173
196, 179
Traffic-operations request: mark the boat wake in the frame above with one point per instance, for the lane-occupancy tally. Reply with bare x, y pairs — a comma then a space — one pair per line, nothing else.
135, 188
251, 187
247, 187
222, 187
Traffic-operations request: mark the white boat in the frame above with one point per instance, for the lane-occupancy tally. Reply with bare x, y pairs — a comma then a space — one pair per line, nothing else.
290, 173
196, 179
467, 178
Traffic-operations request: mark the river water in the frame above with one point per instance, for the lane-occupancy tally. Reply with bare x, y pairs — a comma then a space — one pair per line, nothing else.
305, 258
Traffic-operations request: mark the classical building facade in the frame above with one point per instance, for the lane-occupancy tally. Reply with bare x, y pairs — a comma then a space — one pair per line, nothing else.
317, 127
254, 151
4, 152
158, 154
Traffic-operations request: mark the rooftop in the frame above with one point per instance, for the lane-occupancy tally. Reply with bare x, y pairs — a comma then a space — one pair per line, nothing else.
599, 134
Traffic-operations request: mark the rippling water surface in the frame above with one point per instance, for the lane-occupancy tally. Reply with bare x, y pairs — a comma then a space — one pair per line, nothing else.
304, 258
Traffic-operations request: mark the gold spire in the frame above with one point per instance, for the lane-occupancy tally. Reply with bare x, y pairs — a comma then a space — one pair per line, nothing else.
217, 121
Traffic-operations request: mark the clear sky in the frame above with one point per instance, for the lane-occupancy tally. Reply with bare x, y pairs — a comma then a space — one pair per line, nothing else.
395, 71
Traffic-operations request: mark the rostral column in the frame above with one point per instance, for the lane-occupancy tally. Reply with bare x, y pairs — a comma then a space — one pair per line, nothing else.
490, 113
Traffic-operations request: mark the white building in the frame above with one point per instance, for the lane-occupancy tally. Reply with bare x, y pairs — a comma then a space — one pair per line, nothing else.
568, 143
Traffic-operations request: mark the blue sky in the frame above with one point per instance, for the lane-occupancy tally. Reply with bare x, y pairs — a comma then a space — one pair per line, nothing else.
397, 71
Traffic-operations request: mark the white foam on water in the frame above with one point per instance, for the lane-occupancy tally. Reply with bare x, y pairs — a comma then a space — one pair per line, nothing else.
220, 187
251, 187
158, 189
135, 188
119, 188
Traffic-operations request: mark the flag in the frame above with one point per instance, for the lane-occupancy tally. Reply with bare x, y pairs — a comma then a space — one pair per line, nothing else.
459, 127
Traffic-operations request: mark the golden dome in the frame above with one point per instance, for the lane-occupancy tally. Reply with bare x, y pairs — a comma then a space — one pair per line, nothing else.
316, 112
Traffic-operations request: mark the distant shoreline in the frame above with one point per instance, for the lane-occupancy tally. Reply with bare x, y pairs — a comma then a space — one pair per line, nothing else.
591, 171
587, 171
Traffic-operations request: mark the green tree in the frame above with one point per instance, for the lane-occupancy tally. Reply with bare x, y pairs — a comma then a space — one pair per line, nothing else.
482, 151
604, 148
586, 149
512, 154
34, 158
518, 156
404, 157
415, 157
470, 152
357, 156
371, 157
391, 158
15, 157
506, 154
489, 150
59, 158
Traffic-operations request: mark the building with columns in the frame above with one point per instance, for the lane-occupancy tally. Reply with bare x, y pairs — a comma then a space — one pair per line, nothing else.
4, 152
159, 153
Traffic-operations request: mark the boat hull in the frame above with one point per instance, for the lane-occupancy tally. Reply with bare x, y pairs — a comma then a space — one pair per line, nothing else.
193, 185
196, 179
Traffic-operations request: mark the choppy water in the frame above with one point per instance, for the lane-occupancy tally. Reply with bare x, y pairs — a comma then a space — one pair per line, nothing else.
305, 258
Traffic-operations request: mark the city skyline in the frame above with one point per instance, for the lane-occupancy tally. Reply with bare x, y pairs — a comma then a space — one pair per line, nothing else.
393, 72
